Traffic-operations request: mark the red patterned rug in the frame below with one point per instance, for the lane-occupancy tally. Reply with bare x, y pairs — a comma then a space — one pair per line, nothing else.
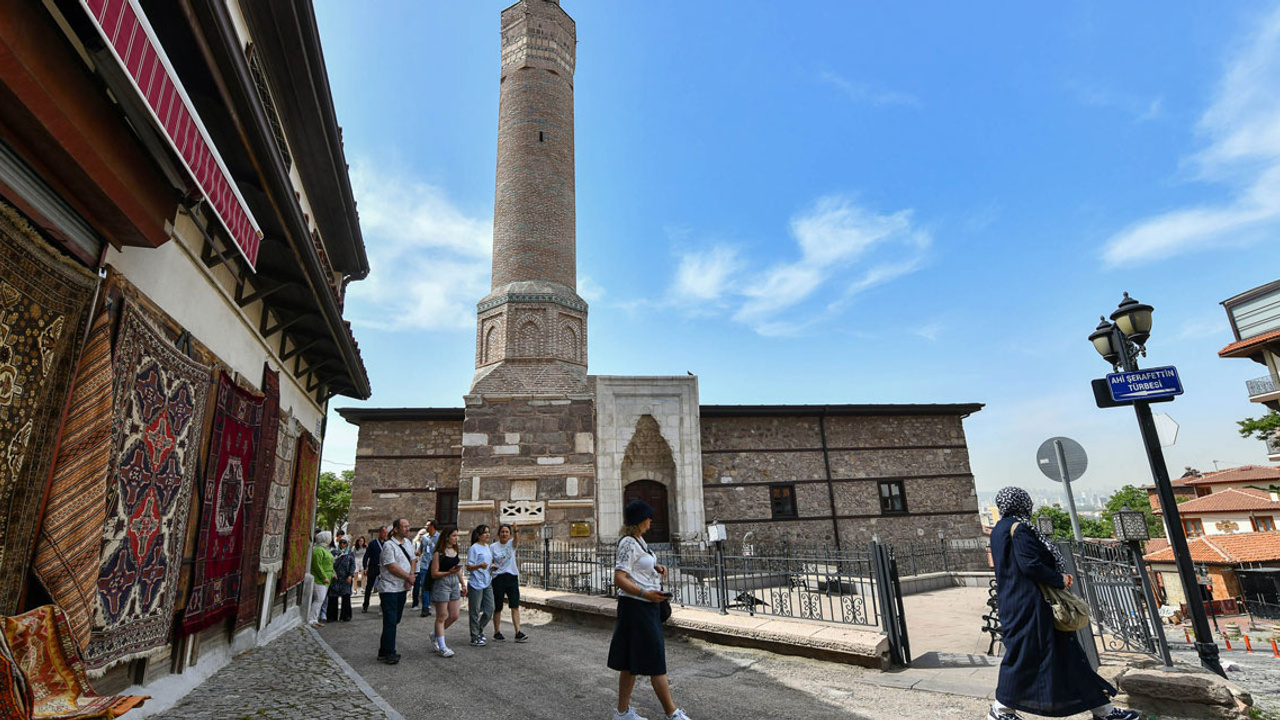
41, 643
15, 693
161, 397
68, 548
277, 517
44, 310
256, 502
298, 543
229, 481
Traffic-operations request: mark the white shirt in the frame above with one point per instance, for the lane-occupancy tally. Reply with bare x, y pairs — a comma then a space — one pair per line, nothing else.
476, 554
398, 553
640, 564
504, 558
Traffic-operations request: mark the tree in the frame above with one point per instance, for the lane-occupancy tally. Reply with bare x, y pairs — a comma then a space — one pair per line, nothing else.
333, 499
1263, 428
1136, 499
1089, 527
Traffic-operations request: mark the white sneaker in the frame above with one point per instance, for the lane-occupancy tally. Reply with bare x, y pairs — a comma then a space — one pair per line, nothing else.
445, 652
630, 714
678, 715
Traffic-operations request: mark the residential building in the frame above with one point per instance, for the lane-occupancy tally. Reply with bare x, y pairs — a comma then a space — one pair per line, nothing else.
1255, 320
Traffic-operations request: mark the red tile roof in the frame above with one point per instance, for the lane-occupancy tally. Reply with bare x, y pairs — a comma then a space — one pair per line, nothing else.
1230, 500
1261, 474
1224, 549
1242, 348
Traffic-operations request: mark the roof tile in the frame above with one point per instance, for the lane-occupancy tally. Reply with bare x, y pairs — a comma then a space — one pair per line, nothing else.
1223, 549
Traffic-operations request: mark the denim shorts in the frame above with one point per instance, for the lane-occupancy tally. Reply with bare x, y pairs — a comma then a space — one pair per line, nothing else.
446, 589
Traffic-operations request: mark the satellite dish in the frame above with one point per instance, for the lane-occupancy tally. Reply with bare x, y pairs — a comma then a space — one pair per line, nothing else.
1166, 429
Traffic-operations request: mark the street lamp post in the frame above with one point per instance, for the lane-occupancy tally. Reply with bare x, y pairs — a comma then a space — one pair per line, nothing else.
1131, 528
1120, 342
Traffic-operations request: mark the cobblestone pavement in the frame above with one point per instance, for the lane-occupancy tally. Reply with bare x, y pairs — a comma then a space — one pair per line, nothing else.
292, 678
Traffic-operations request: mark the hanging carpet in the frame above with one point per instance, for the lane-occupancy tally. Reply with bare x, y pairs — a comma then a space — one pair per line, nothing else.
161, 397
44, 310
69, 546
297, 552
15, 693
277, 517
229, 481
40, 641
256, 500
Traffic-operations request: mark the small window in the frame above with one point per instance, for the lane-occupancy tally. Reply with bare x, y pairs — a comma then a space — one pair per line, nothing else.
447, 507
783, 500
541, 137
1202, 491
1264, 524
893, 499
1193, 528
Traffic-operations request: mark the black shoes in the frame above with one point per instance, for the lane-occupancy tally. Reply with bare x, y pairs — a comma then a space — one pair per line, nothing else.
498, 636
521, 637
389, 659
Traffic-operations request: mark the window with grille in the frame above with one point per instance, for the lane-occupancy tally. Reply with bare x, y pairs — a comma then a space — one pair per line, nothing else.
782, 498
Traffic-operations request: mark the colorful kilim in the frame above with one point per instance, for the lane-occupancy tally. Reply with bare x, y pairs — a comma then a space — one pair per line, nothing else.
297, 554
44, 309
277, 520
15, 694
69, 546
161, 397
41, 642
256, 503
229, 481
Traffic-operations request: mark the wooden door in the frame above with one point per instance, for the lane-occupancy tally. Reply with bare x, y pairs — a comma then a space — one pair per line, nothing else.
654, 493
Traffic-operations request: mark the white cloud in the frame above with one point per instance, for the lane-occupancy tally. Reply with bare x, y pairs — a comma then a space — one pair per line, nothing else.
429, 260
843, 249
866, 93
589, 289
1141, 109
1242, 127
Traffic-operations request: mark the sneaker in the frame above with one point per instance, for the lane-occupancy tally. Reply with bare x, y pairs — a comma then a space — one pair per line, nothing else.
993, 715
426, 612
391, 659
1119, 714
479, 642
446, 652
630, 714
498, 636
521, 637
678, 715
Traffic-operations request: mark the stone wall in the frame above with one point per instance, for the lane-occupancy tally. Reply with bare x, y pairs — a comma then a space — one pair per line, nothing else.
401, 465
743, 457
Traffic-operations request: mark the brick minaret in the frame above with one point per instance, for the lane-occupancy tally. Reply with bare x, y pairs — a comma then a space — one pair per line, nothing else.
528, 435
531, 330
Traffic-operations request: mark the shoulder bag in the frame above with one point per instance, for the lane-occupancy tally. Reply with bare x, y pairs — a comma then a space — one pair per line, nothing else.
1070, 613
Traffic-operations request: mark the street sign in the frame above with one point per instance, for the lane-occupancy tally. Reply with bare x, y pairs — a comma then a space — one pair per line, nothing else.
1102, 395
1047, 459
1148, 384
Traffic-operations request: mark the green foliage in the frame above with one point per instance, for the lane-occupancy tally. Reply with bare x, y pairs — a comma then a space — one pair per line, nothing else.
333, 499
1136, 499
1261, 428
1089, 527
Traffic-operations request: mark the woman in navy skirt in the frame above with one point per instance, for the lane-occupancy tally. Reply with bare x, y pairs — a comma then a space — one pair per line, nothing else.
638, 647
1045, 670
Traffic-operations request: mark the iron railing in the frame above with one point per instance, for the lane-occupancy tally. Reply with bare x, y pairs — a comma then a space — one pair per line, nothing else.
1264, 385
1114, 590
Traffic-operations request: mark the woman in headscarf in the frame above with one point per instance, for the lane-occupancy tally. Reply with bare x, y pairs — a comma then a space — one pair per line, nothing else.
344, 570
1045, 670
321, 574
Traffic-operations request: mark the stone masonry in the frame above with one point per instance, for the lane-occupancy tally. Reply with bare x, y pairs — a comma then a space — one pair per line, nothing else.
402, 466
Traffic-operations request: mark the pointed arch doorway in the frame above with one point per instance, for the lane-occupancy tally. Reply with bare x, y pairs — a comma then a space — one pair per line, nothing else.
654, 493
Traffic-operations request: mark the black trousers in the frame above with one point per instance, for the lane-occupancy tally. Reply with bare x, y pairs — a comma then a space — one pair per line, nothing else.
332, 611
370, 580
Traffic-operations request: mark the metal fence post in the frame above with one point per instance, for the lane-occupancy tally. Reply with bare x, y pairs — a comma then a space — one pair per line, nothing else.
946, 566
546, 563
1083, 588
1153, 610
722, 582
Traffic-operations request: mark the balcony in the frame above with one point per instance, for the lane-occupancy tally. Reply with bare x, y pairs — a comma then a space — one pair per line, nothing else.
1263, 390
1273, 448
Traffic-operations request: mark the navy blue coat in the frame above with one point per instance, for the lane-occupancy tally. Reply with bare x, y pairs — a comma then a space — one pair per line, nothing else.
1045, 671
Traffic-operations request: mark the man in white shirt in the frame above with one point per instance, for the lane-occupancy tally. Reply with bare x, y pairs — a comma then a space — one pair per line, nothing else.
393, 585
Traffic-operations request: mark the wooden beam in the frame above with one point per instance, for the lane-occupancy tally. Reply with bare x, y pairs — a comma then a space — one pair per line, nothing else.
267, 291
279, 326
300, 349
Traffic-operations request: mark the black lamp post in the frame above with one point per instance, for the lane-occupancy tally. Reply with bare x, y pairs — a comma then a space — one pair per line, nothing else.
1044, 524
1119, 342
1131, 528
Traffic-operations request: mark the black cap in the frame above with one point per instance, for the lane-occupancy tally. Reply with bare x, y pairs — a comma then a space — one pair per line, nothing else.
636, 512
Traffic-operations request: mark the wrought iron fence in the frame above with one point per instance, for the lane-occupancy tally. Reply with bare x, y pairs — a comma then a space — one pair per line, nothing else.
1112, 586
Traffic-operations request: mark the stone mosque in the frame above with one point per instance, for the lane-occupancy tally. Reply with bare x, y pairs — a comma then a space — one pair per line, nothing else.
539, 441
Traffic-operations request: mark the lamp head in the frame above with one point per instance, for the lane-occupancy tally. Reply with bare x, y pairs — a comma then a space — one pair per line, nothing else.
1103, 341
1130, 525
1134, 320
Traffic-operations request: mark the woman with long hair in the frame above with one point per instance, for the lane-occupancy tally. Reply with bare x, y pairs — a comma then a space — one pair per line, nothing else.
448, 586
506, 581
638, 647
361, 547
1045, 670
479, 591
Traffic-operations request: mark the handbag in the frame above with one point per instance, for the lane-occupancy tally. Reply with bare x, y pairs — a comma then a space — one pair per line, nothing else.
1070, 613
664, 610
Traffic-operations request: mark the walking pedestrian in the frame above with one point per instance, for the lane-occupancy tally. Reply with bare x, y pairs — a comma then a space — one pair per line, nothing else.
394, 582
448, 586
638, 647
506, 581
344, 570
373, 565
426, 548
479, 592
361, 548
321, 574
1045, 670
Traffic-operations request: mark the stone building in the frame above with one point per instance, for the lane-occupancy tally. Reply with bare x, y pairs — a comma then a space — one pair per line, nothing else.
540, 441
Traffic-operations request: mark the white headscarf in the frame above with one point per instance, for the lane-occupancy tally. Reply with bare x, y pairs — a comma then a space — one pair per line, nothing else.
323, 538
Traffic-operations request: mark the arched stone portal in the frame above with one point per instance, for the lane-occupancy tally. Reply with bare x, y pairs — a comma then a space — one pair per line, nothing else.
649, 473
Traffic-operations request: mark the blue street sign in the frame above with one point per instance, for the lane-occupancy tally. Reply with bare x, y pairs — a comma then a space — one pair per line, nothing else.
1150, 384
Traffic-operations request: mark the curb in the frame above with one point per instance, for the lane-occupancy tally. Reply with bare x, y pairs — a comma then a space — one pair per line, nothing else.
366, 688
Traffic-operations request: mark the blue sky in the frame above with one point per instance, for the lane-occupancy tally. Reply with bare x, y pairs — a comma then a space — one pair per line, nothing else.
834, 202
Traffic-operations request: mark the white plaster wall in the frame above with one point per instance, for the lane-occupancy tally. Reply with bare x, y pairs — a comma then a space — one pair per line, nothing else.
1243, 525
673, 403
173, 276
